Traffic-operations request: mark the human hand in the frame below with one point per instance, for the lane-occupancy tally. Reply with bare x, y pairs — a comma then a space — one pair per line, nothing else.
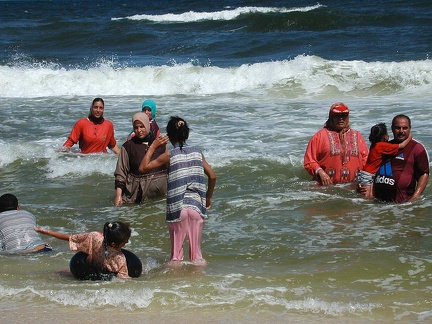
40, 230
64, 149
412, 198
161, 140
366, 191
325, 178
208, 203
361, 189
118, 201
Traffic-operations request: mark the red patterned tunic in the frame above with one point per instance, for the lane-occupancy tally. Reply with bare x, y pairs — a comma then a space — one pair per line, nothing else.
325, 151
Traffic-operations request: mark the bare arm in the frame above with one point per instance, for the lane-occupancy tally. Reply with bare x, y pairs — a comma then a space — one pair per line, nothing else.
211, 181
404, 143
118, 197
421, 185
116, 149
121, 174
61, 236
146, 164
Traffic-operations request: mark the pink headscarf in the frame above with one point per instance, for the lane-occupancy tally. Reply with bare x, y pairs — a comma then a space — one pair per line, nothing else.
143, 118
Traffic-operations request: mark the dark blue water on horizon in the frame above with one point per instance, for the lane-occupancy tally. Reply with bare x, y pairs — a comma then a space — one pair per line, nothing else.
227, 33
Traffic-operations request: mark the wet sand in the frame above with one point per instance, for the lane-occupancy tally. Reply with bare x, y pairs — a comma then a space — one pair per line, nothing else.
103, 316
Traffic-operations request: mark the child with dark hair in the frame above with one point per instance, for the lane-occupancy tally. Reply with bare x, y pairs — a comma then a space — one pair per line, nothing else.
187, 196
103, 251
16, 228
379, 148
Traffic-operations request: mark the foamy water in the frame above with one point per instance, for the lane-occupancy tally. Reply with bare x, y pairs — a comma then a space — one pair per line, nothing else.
254, 83
301, 77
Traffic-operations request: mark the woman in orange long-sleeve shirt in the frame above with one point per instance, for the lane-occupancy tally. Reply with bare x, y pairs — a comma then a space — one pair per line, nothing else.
94, 133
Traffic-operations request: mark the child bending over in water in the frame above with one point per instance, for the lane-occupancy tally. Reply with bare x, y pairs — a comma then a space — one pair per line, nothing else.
103, 251
379, 147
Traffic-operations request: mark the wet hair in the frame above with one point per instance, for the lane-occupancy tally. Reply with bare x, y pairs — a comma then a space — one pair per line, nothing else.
377, 133
177, 130
8, 202
115, 232
401, 116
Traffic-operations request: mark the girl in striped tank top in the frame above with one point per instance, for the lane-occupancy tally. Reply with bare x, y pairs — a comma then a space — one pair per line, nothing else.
188, 197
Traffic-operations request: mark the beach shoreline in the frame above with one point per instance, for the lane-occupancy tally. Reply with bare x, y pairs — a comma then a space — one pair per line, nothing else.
82, 315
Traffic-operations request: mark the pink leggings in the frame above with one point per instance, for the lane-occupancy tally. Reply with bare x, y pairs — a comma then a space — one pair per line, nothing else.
190, 225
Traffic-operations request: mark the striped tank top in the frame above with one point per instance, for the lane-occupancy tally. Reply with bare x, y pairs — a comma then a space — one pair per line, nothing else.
186, 182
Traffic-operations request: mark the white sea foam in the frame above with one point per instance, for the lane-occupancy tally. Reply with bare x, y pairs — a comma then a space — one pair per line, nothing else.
13, 151
80, 164
192, 16
301, 77
95, 295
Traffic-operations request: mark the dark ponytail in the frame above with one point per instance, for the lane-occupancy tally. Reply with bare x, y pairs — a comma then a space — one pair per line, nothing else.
115, 232
177, 130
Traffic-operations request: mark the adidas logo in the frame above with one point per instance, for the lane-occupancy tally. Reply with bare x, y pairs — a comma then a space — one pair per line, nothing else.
383, 179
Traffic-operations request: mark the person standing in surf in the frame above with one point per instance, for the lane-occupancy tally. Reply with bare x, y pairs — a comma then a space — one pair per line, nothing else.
379, 148
187, 197
336, 153
149, 108
133, 186
94, 133
403, 177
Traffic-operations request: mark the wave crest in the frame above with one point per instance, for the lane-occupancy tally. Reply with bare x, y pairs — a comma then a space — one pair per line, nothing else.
303, 76
193, 16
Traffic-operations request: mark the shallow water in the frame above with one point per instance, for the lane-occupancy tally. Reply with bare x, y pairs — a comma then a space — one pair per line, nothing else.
275, 242
277, 245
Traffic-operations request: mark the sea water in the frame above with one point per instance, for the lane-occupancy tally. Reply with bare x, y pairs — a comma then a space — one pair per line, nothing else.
254, 82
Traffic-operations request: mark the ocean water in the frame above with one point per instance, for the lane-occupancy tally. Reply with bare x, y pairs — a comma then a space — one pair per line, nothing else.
255, 80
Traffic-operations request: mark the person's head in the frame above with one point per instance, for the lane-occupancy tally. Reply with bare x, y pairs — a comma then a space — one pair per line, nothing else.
8, 202
149, 107
338, 119
177, 130
141, 125
401, 128
116, 234
378, 133
97, 109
